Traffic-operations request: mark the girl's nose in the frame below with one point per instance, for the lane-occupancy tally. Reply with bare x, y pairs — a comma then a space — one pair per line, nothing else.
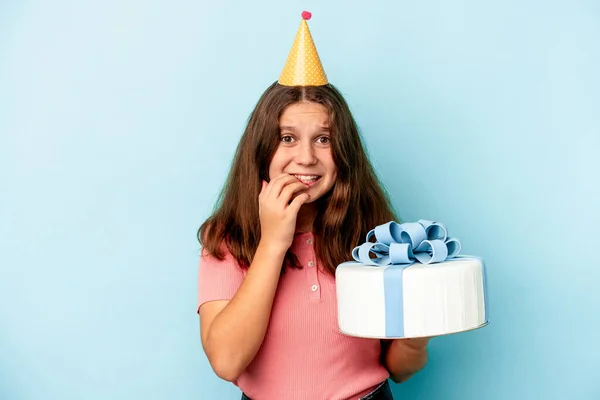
306, 154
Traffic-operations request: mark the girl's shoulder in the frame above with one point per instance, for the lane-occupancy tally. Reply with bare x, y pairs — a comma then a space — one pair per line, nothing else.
220, 263
220, 253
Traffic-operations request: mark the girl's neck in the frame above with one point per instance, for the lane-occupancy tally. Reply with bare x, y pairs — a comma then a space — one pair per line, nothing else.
306, 217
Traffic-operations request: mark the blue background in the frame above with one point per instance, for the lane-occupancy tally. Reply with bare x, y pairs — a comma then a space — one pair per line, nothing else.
118, 120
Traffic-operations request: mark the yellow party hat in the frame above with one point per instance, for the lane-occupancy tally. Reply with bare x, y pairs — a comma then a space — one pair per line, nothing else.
303, 66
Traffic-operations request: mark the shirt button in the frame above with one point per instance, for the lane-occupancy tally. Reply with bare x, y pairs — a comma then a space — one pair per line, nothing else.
309, 241
311, 263
314, 288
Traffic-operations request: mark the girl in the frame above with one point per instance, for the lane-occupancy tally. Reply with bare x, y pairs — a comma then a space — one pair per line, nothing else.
300, 196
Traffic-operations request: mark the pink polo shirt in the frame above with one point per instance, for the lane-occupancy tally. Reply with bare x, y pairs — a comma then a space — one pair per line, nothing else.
303, 355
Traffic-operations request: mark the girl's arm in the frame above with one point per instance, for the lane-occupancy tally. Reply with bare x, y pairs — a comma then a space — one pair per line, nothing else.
403, 358
233, 330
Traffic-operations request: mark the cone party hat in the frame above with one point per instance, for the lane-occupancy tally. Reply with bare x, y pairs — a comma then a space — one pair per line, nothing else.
303, 66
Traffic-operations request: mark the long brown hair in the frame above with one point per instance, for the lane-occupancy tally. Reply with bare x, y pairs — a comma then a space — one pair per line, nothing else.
356, 203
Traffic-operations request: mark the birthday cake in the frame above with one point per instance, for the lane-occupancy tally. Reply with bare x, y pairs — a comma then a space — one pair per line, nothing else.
410, 282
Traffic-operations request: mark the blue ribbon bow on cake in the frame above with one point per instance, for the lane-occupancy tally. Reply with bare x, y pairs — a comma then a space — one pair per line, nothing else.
424, 241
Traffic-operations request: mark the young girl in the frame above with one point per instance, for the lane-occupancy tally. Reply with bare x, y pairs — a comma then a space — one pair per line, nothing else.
300, 196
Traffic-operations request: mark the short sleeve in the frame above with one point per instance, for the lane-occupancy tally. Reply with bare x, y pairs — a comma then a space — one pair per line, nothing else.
218, 280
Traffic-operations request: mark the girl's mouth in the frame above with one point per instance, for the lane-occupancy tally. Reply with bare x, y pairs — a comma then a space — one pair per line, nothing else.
308, 180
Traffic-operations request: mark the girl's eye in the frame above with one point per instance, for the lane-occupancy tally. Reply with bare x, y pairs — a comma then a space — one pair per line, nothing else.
324, 139
287, 139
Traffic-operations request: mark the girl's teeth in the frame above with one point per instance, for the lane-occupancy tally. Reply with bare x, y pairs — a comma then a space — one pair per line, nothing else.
307, 178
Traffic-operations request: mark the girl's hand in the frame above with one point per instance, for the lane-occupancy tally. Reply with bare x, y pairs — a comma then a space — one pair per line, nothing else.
277, 214
405, 357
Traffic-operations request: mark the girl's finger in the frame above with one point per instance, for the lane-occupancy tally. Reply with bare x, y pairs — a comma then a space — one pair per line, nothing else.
298, 202
288, 192
279, 183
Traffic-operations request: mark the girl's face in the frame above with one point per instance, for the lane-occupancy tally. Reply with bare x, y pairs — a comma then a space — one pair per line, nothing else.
305, 148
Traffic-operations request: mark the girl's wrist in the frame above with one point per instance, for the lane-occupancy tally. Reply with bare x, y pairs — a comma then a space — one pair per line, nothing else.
271, 248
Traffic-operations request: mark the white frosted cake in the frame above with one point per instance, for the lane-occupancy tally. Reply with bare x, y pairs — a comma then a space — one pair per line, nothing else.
410, 283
